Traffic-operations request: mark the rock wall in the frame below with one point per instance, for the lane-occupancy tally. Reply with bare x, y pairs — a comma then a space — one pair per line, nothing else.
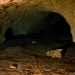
7, 1
27, 15
64, 7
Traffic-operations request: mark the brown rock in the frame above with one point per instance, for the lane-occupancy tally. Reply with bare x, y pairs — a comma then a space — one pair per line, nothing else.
28, 15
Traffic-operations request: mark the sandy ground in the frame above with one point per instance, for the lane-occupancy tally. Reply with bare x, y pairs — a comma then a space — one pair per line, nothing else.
30, 58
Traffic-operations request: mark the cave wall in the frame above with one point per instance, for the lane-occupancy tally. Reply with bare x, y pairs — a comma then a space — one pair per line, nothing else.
28, 15
64, 7
7, 1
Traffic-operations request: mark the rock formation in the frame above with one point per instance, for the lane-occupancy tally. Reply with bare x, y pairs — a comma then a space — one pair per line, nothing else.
27, 15
55, 53
7, 1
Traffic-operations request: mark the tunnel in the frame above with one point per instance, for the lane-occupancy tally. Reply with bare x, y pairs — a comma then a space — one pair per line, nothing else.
47, 49
11, 34
56, 28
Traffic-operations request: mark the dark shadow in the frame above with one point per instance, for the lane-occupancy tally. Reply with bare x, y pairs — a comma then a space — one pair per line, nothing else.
15, 65
10, 36
59, 28
65, 48
59, 31
54, 32
12, 40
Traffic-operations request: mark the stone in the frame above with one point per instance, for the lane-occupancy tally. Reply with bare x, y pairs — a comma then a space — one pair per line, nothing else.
55, 53
12, 67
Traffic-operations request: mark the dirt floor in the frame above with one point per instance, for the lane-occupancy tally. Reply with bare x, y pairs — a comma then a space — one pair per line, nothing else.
30, 59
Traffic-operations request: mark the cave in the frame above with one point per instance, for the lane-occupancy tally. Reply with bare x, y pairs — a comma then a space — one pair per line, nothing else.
56, 29
47, 49
55, 34
12, 34
33, 47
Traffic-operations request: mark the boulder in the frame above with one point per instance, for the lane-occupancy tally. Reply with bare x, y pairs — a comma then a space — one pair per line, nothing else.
55, 53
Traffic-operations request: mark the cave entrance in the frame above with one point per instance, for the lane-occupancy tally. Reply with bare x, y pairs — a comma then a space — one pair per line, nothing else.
54, 35
12, 34
55, 30
8, 34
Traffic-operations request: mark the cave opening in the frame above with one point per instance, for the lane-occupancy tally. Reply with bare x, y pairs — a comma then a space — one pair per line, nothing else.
8, 34
55, 29
11, 34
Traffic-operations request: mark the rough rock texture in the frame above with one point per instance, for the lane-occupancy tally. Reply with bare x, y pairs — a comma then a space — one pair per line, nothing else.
6, 1
55, 53
21, 60
29, 14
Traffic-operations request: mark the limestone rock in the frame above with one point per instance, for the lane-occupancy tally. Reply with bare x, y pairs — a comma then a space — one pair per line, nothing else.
55, 53
6, 1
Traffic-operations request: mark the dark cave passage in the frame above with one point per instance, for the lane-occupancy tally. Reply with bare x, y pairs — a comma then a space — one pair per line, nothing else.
58, 30
56, 27
61, 27
8, 34
55, 35
11, 34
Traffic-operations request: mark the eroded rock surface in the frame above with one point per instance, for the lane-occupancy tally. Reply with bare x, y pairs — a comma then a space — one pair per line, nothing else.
7, 1
27, 15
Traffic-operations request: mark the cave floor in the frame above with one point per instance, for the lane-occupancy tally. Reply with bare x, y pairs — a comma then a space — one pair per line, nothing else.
29, 59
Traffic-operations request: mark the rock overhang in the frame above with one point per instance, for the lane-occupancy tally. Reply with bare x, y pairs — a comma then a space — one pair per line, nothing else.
32, 12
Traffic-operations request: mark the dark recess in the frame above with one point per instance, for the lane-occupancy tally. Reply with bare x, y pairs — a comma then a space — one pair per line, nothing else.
60, 29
